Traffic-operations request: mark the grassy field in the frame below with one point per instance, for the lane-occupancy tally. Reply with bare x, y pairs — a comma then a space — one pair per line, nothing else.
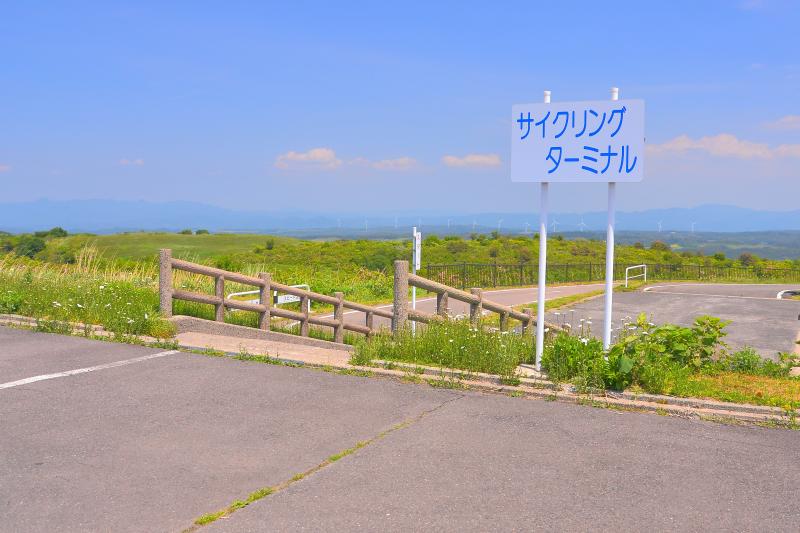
265, 249
112, 281
362, 269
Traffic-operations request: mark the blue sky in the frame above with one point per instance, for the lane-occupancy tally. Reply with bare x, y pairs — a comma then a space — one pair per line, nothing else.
373, 106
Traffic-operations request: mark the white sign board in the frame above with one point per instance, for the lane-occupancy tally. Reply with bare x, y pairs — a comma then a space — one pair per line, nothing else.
284, 298
600, 141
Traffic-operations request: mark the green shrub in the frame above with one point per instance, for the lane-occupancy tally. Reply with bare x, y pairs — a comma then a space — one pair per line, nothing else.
29, 246
10, 302
568, 357
748, 361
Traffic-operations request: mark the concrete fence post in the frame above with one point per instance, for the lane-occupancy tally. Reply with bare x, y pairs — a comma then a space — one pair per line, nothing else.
370, 322
527, 326
304, 321
503, 321
219, 291
338, 316
165, 282
265, 299
400, 308
441, 303
476, 310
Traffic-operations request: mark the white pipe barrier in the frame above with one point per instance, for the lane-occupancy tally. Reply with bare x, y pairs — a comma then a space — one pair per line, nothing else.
643, 274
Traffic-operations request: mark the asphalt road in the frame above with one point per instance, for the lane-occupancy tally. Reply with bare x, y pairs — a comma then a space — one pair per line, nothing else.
758, 319
147, 440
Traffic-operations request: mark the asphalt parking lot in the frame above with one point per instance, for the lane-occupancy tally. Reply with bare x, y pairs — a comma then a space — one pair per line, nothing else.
758, 318
109, 437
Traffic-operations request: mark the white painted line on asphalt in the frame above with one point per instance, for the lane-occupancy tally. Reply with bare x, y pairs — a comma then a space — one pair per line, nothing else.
68, 373
706, 294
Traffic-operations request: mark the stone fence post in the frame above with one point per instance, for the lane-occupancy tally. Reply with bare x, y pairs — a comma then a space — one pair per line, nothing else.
476, 310
265, 299
400, 308
165, 282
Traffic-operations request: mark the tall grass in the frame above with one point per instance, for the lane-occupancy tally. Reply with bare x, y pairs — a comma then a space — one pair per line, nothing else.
450, 344
123, 301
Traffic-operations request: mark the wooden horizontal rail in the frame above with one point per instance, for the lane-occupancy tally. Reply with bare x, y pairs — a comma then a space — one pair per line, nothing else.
377, 311
296, 291
286, 313
439, 288
196, 297
422, 316
204, 270
265, 307
244, 306
359, 329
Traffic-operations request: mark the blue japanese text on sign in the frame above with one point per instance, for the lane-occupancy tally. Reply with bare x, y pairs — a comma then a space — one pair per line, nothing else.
578, 141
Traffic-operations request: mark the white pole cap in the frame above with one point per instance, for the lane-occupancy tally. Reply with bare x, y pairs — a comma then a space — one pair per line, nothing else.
615, 93
547, 97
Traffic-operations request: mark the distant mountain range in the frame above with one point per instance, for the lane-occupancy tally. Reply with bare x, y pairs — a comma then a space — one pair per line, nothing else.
111, 216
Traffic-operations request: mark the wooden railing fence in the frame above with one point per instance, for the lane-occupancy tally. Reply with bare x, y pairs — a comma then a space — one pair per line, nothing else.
400, 314
265, 309
477, 303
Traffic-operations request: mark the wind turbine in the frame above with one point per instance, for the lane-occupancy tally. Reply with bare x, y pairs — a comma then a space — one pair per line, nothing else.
474, 222
366, 226
582, 225
659, 226
693, 223
448, 223
499, 223
395, 222
527, 228
554, 224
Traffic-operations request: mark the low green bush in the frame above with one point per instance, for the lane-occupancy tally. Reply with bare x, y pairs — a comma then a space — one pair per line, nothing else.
748, 361
651, 357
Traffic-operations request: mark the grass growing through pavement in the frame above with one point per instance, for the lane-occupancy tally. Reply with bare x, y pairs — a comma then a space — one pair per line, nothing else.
449, 344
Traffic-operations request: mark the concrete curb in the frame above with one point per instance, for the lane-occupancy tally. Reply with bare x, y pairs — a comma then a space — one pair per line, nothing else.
542, 389
529, 387
189, 324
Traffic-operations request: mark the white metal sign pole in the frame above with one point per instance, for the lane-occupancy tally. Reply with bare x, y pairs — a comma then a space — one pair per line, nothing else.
543, 204
612, 201
415, 244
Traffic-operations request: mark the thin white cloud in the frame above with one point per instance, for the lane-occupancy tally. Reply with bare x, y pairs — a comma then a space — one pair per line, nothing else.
5, 168
789, 122
131, 162
472, 160
318, 158
401, 163
725, 145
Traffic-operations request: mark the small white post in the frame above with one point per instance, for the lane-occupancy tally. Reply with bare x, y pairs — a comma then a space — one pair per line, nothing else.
612, 201
543, 205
